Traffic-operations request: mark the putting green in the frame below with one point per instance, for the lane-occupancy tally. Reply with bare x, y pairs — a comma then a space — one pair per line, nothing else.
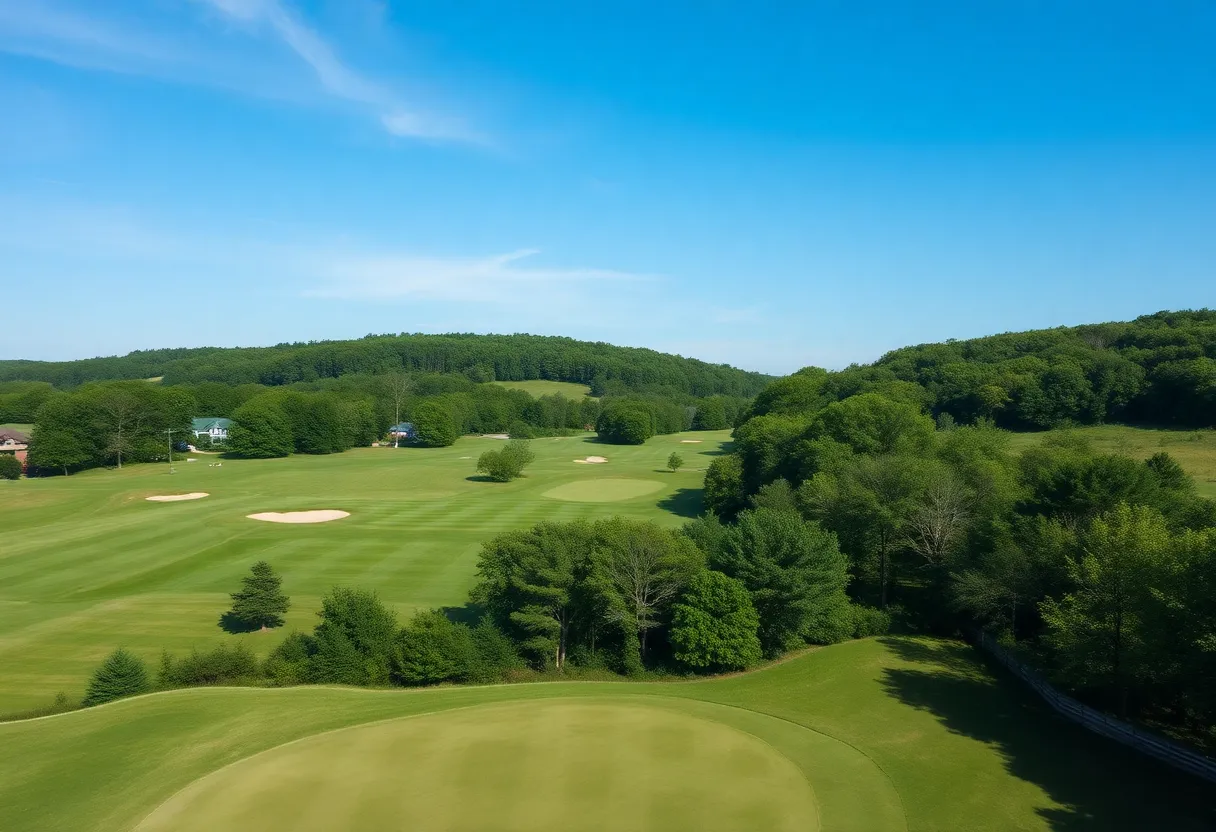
521, 766
603, 490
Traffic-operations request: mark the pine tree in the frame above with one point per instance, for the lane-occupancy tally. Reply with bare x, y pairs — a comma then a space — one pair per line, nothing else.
261, 603
121, 674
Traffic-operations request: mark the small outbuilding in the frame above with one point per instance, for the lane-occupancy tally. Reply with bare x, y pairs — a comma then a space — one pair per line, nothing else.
217, 429
405, 430
16, 443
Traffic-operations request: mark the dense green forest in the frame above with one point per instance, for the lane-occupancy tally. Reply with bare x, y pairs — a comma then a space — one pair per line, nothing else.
1097, 567
1158, 369
479, 357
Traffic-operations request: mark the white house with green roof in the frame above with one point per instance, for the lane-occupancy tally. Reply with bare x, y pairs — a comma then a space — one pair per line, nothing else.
217, 429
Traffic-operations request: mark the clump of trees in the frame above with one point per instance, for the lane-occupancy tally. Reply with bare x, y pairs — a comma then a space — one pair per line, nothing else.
507, 463
107, 424
1093, 565
607, 593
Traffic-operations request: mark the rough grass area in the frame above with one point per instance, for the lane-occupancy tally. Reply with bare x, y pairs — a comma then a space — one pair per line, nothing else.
1195, 450
885, 734
26, 429
540, 387
88, 564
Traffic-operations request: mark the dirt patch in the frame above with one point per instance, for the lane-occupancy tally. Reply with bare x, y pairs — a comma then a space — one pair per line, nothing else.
315, 516
592, 460
173, 498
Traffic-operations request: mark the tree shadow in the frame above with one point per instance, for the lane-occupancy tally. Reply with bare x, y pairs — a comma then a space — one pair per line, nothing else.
467, 613
229, 623
1099, 784
684, 502
480, 478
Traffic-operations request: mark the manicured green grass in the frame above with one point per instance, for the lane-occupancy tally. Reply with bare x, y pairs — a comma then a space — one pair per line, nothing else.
512, 766
87, 564
540, 387
874, 735
1195, 450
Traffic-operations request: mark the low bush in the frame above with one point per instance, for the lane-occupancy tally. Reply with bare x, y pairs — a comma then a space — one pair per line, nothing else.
10, 467
870, 621
235, 665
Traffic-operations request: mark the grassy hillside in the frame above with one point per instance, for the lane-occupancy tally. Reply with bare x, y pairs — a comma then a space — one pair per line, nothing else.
540, 387
88, 564
1195, 450
888, 734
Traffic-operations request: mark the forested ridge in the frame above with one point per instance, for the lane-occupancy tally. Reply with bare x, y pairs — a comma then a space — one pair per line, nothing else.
1097, 567
1158, 369
480, 357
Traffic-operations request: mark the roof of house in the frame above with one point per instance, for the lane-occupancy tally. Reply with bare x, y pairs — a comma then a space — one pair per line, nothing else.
15, 436
208, 424
402, 428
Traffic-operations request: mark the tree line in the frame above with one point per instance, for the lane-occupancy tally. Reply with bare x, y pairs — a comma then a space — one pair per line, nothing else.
1098, 567
606, 368
113, 423
1157, 369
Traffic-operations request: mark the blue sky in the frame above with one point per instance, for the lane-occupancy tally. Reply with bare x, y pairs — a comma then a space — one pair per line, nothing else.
766, 184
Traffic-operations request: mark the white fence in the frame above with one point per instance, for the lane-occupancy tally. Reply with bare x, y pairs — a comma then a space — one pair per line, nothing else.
1146, 742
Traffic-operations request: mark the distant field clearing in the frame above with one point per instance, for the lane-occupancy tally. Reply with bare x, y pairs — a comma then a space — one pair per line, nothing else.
540, 388
538, 765
603, 491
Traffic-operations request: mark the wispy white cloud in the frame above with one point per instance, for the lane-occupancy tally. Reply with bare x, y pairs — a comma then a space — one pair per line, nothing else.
97, 40
496, 279
340, 80
30, 27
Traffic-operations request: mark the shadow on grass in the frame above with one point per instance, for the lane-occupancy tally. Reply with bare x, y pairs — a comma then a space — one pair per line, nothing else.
229, 623
684, 502
1100, 784
480, 478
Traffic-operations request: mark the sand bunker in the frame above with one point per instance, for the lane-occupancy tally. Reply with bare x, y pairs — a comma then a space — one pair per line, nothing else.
592, 460
317, 516
690, 441
173, 498
496, 436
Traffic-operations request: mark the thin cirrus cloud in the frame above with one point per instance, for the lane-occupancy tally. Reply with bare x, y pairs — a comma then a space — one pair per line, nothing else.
496, 279
65, 35
343, 82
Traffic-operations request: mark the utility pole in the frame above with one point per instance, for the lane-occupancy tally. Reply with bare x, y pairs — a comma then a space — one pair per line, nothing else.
170, 432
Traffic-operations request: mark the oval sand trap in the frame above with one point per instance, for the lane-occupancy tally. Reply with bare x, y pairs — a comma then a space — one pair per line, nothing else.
523, 766
173, 498
603, 491
592, 460
317, 516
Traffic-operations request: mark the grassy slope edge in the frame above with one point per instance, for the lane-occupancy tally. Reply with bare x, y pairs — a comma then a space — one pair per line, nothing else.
962, 748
